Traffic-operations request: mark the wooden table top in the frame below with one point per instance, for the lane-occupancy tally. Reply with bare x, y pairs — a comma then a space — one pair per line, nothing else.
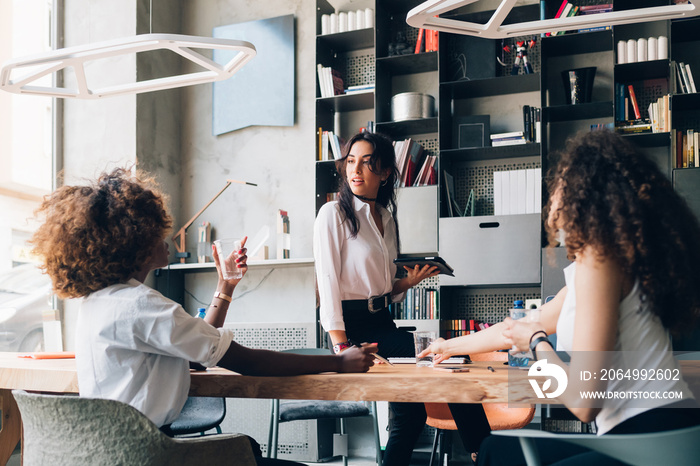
401, 382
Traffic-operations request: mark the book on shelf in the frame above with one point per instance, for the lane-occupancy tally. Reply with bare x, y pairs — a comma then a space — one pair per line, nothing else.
427, 175
419, 42
633, 126
330, 81
418, 303
508, 141
686, 148
359, 88
511, 134
517, 191
410, 157
691, 81
635, 104
329, 144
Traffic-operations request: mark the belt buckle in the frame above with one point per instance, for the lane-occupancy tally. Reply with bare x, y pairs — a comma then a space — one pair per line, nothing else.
370, 304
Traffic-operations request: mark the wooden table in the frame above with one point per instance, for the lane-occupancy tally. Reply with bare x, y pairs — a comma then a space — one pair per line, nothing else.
401, 382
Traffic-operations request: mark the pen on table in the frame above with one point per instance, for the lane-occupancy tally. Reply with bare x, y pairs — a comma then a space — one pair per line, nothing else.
491, 369
376, 356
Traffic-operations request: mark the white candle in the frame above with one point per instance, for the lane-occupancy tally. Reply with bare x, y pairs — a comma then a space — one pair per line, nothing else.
631, 51
369, 17
663, 47
352, 20
642, 49
653, 48
342, 22
325, 24
334, 23
360, 19
621, 52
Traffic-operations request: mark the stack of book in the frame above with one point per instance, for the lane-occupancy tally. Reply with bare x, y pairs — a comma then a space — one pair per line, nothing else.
359, 88
508, 139
419, 303
684, 82
592, 10
517, 192
330, 81
416, 168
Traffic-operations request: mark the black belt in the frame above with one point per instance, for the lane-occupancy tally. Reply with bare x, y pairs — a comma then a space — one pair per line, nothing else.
373, 304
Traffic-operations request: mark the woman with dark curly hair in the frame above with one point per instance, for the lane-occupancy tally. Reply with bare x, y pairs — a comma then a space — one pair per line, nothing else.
634, 246
99, 242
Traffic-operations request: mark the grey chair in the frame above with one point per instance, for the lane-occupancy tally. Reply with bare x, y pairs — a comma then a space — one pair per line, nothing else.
199, 415
74, 431
678, 447
297, 410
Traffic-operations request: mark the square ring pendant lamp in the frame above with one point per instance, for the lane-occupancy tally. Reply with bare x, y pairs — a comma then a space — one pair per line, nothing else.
425, 16
38, 66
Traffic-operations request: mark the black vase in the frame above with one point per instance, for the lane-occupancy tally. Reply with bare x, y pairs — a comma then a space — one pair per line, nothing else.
578, 84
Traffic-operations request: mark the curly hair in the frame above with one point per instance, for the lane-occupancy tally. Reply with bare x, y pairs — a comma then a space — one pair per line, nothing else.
101, 234
616, 201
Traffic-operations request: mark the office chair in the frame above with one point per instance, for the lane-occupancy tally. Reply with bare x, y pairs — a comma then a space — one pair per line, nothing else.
74, 431
297, 410
678, 447
500, 416
200, 414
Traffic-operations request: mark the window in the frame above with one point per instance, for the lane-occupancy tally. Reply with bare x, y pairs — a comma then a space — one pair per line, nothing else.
26, 175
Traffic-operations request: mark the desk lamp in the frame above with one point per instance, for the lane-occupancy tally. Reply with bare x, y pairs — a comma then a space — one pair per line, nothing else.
426, 14
179, 237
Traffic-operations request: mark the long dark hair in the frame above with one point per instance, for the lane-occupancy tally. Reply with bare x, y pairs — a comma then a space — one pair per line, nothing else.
617, 201
383, 157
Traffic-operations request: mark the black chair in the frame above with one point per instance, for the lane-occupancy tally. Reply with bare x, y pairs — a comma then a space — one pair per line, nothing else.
199, 415
297, 410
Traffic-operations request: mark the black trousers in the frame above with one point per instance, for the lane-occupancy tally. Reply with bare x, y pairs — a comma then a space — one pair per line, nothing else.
408, 419
506, 451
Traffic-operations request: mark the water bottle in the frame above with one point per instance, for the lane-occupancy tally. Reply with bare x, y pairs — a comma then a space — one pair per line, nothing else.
201, 314
518, 359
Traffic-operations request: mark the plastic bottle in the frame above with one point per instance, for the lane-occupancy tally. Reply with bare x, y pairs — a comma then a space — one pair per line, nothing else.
518, 359
201, 313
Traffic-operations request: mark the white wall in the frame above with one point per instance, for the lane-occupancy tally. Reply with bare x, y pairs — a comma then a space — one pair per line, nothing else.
169, 133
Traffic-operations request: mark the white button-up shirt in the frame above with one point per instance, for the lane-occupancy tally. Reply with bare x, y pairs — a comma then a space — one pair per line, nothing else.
352, 268
133, 345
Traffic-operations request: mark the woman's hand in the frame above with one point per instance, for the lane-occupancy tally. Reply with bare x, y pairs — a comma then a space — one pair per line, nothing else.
518, 333
417, 274
439, 349
241, 262
357, 359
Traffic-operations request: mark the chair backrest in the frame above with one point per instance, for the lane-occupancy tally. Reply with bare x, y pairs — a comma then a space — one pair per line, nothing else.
500, 416
75, 431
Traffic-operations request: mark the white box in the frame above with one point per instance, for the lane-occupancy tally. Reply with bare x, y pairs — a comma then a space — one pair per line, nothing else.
497, 195
530, 201
505, 193
522, 190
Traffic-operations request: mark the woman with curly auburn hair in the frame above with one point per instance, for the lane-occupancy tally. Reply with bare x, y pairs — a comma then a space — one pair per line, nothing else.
99, 242
101, 234
634, 246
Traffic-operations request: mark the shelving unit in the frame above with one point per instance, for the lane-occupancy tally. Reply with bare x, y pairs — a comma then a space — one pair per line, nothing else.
499, 257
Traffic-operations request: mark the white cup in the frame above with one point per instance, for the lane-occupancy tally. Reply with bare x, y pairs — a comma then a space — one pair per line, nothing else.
227, 250
422, 340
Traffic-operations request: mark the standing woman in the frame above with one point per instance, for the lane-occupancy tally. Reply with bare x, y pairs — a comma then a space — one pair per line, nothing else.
355, 243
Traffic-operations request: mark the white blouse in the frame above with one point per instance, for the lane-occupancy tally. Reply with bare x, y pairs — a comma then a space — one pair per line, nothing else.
642, 341
134, 345
352, 268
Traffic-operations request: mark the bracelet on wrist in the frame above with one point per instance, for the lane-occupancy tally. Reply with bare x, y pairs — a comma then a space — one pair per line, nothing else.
536, 342
341, 346
539, 331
